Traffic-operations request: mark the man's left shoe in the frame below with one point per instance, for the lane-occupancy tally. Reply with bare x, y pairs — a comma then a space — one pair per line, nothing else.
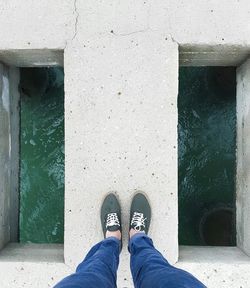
140, 213
111, 214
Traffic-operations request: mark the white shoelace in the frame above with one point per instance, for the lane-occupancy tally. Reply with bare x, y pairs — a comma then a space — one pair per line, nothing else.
112, 220
138, 222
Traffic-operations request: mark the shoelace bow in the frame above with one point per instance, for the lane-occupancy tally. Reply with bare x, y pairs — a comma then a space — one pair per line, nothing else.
112, 220
138, 222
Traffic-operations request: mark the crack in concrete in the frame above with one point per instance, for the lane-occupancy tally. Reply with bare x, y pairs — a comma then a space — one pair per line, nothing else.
76, 19
131, 33
146, 29
173, 40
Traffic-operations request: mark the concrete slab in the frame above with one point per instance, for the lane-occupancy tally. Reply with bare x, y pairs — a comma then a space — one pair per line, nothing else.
5, 154
17, 252
121, 135
196, 22
243, 157
14, 164
216, 267
116, 62
32, 57
32, 274
196, 25
203, 22
36, 25
214, 55
9, 154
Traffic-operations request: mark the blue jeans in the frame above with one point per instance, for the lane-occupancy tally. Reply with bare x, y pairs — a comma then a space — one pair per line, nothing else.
148, 267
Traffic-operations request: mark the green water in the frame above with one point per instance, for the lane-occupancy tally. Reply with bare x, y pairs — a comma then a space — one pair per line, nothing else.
206, 131
42, 155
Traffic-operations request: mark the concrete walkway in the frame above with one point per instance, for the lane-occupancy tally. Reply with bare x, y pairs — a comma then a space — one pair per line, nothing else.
121, 62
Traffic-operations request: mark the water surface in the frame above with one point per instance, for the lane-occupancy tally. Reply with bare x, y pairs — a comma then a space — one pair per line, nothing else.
206, 153
42, 155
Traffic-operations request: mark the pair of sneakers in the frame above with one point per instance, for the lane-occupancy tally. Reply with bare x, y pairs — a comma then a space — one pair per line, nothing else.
140, 214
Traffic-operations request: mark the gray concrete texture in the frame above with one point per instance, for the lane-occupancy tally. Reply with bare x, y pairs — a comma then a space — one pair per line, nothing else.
208, 32
243, 157
14, 157
5, 144
125, 137
121, 85
9, 154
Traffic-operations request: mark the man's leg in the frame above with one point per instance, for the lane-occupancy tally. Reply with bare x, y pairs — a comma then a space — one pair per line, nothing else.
98, 269
150, 269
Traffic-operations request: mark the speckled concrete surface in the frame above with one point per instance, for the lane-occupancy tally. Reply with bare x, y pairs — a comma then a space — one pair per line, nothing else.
126, 134
5, 144
243, 156
121, 65
216, 267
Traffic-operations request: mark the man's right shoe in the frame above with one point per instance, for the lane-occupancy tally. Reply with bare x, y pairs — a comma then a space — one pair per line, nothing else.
140, 213
110, 214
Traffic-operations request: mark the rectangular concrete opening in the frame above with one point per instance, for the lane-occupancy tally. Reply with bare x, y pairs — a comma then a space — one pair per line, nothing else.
31, 156
207, 156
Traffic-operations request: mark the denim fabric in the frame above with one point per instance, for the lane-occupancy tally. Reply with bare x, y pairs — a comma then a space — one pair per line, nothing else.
148, 267
98, 269
151, 270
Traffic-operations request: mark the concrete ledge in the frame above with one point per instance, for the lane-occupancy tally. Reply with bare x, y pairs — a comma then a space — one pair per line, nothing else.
36, 25
32, 58
221, 267
51, 25
194, 254
213, 55
218, 270
15, 252
243, 157
9, 154
5, 156
32, 274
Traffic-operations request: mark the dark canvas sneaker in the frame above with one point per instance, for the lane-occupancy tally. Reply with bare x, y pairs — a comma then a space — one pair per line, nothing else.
140, 213
111, 214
